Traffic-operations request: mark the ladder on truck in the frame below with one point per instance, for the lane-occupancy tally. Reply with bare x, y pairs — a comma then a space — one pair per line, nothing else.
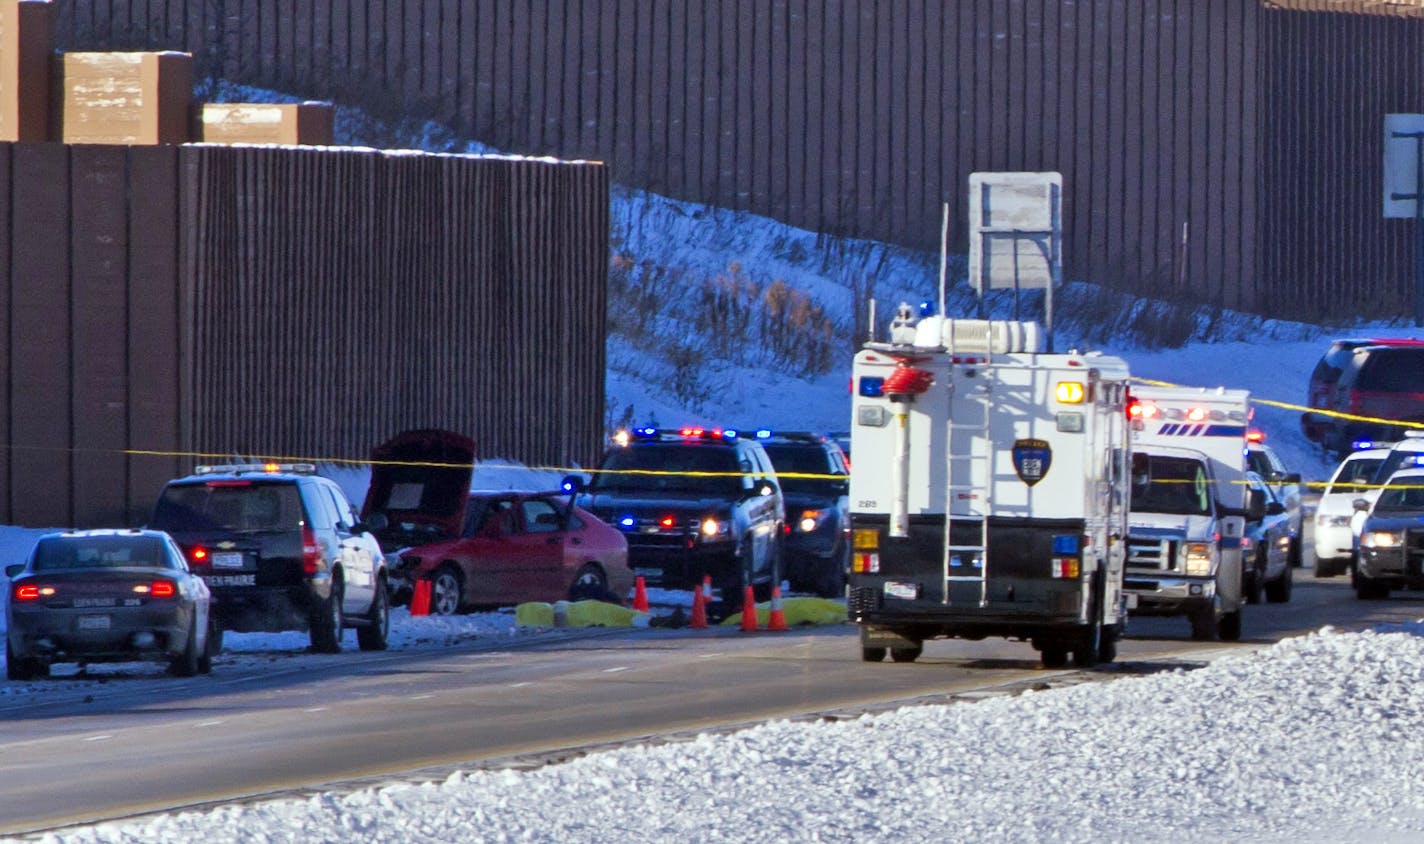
967, 340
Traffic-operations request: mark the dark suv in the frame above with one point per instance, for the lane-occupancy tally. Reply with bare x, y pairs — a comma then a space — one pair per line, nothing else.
1379, 378
693, 502
281, 549
815, 482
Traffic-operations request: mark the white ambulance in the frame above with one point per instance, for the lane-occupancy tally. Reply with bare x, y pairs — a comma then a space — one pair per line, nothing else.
1190, 505
989, 493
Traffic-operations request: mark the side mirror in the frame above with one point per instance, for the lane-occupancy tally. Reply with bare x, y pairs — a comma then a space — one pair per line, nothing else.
1141, 470
1255, 505
573, 484
14, 569
1361, 504
1275, 508
1292, 478
372, 523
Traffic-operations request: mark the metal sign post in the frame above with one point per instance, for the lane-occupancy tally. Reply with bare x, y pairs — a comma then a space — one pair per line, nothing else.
1404, 187
1016, 236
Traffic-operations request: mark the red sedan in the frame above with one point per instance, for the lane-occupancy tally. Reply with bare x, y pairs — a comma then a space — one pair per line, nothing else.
517, 547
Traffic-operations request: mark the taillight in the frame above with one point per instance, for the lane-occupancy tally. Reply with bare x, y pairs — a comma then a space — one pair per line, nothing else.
32, 592
311, 552
198, 555
158, 589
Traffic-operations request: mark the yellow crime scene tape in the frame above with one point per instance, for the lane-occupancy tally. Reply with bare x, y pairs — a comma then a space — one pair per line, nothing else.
349, 461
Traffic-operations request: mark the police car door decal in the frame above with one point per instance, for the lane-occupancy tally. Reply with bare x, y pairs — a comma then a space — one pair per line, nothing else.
1032, 459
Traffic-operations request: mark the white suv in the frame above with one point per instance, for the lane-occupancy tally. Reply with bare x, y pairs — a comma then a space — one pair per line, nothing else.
1334, 538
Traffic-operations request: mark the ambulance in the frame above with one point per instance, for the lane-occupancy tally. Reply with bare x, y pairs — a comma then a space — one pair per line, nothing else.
990, 491
1190, 505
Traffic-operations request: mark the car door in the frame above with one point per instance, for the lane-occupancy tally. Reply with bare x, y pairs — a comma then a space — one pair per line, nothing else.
358, 560
511, 560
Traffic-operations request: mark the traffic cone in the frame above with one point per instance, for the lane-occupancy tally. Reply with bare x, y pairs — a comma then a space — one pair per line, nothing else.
420, 601
699, 611
777, 622
640, 595
749, 614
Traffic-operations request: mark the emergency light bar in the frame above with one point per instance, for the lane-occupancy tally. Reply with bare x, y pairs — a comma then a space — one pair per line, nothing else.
622, 438
265, 468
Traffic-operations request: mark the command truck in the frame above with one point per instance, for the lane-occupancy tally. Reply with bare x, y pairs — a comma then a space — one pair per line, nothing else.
989, 494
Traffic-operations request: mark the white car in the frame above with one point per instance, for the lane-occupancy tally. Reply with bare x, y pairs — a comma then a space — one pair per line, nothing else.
1334, 514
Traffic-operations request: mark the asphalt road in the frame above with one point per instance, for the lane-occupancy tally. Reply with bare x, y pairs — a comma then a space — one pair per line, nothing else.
147, 743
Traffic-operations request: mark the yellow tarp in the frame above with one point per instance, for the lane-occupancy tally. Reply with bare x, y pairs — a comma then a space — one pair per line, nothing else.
798, 611
578, 614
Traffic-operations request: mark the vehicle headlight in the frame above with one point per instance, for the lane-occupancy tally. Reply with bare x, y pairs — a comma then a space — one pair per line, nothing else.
1198, 559
1382, 538
810, 520
712, 528
1324, 520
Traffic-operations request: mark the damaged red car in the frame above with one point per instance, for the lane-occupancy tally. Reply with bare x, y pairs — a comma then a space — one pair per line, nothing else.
483, 549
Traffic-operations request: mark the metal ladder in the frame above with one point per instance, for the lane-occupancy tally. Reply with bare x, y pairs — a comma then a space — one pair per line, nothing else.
979, 456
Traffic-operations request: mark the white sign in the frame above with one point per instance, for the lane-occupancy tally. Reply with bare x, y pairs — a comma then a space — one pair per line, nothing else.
1403, 134
1015, 230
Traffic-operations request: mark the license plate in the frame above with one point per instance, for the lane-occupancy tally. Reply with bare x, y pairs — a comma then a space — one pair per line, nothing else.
85, 603
230, 579
93, 622
903, 591
227, 560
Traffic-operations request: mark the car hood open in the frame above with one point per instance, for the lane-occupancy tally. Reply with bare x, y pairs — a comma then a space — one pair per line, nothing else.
420, 482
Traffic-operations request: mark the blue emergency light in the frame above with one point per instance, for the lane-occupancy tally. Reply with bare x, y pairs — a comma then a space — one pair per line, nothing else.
871, 387
1065, 544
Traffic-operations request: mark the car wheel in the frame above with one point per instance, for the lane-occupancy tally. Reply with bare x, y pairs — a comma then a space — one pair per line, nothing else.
212, 648
1297, 557
373, 635
1229, 628
327, 622
1367, 589
1253, 581
445, 591
872, 654
22, 668
1107, 648
185, 664
589, 585
1054, 656
905, 654
1325, 568
1278, 591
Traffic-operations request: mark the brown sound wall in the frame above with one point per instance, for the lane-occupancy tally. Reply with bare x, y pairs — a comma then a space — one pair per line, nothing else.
1181, 126
169, 304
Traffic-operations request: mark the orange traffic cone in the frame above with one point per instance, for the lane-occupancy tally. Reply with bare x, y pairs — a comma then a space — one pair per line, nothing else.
749, 612
640, 595
699, 611
777, 621
420, 601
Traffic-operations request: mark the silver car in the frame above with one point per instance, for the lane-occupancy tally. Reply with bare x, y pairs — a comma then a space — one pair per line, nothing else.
107, 596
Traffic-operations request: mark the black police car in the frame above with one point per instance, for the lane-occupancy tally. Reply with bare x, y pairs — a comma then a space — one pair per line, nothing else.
693, 502
281, 549
815, 481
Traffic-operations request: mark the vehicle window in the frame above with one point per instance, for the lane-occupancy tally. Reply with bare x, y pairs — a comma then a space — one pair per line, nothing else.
669, 467
1402, 496
801, 459
1354, 475
1393, 371
98, 552
319, 507
340, 507
1398, 458
234, 506
540, 516
1178, 486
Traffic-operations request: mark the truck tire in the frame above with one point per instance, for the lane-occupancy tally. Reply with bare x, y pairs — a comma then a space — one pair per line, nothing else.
1253, 582
327, 622
1054, 656
372, 636
872, 654
1230, 627
1107, 650
905, 654
1203, 624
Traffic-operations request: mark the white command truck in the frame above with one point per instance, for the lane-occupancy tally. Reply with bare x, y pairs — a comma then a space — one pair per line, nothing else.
1189, 501
989, 493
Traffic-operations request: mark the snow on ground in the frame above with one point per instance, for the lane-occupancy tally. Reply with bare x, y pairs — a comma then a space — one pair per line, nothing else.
1314, 739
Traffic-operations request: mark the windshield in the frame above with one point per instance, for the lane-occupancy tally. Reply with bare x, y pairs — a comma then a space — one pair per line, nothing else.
1354, 476
98, 552
670, 467
1402, 495
238, 506
803, 459
1178, 486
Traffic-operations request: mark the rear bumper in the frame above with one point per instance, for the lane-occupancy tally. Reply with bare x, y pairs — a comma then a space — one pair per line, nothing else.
56, 635
264, 609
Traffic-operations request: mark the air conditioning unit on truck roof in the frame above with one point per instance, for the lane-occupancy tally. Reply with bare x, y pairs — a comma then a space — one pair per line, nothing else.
990, 491
1189, 506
